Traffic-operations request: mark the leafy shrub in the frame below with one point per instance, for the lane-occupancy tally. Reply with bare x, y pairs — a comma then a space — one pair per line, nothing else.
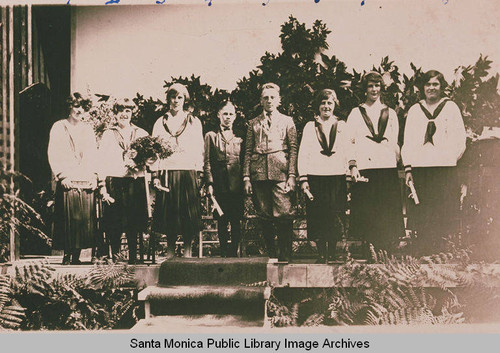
16, 214
394, 291
11, 313
100, 299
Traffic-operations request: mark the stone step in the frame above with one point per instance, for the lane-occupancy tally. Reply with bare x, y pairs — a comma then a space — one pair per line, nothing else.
197, 323
297, 275
197, 300
212, 271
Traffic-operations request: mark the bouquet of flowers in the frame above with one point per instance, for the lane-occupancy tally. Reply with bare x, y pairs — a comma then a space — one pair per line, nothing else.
99, 111
145, 151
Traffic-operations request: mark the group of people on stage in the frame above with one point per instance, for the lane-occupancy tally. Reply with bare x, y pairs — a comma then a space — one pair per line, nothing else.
268, 166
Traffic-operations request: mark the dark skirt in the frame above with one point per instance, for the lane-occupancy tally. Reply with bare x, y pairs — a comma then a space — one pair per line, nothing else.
376, 208
75, 222
326, 213
436, 216
178, 211
129, 212
231, 204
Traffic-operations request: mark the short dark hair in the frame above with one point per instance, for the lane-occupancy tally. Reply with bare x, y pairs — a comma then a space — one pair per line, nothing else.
223, 103
121, 104
372, 76
76, 100
322, 95
427, 77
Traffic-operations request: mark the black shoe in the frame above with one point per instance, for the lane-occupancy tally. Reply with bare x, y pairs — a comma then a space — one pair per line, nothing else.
76, 262
66, 259
284, 257
334, 260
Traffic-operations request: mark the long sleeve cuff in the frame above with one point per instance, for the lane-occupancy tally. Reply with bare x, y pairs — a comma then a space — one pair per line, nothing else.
303, 178
352, 163
408, 168
246, 178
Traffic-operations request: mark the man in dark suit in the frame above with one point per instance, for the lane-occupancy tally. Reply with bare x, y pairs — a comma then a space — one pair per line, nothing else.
269, 171
222, 169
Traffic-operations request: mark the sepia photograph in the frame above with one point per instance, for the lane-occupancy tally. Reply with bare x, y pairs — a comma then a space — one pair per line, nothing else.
266, 166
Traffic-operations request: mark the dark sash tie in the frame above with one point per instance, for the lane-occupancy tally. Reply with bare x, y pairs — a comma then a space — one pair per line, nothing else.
326, 149
181, 128
431, 126
124, 145
382, 124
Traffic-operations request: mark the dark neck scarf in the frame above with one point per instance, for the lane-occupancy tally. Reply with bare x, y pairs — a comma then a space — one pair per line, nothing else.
124, 145
180, 130
382, 124
431, 126
326, 149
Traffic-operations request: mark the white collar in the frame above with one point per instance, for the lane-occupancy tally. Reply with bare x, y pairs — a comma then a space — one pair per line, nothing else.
424, 103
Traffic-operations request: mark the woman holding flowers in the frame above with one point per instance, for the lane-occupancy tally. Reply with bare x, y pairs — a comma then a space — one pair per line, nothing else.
376, 208
177, 206
434, 140
123, 187
322, 165
72, 153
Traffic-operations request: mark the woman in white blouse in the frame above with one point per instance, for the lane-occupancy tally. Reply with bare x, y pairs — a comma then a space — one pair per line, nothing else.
434, 140
178, 210
72, 153
322, 164
123, 190
376, 207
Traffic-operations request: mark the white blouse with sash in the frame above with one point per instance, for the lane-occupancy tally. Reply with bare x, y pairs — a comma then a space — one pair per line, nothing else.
187, 140
72, 151
114, 143
448, 137
329, 157
372, 149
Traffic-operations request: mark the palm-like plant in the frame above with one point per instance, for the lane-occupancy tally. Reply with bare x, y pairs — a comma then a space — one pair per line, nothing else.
15, 213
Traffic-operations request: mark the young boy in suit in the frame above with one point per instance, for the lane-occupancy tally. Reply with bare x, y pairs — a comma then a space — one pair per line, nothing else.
269, 171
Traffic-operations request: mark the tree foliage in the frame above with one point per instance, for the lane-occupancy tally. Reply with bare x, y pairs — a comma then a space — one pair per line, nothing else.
302, 67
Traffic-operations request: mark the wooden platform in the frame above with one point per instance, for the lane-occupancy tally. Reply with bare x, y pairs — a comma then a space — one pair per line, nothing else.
299, 274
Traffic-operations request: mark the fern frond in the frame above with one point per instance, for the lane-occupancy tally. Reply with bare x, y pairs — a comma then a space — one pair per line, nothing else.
11, 314
280, 315
315, 319
110, 275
